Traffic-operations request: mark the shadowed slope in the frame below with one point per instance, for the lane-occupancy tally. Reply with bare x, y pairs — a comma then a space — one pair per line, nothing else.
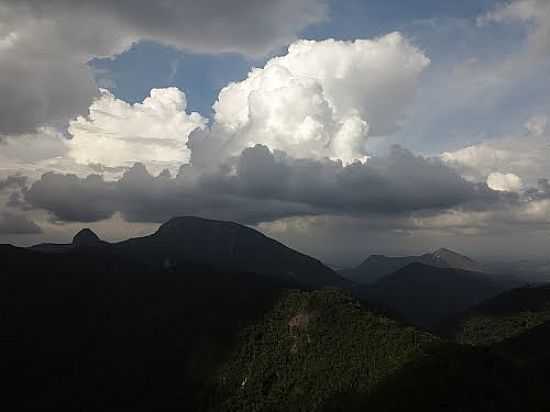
424, 294
504, 316
228, 246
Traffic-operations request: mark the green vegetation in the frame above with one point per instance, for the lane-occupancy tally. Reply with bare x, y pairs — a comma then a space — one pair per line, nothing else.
311, 347
488, 330
505, 316
322, 351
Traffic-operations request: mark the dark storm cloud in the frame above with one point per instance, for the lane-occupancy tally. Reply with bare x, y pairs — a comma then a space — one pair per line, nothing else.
72, 198
542, 191
145, 198
397, 183
244, 26
261, 186
45, 45
16, 186
17, 225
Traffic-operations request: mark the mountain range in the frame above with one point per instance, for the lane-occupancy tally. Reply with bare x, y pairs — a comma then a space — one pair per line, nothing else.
376, 267
207, 315
220, 245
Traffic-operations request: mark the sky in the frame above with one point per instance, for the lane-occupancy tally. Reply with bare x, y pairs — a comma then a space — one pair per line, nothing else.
342, 128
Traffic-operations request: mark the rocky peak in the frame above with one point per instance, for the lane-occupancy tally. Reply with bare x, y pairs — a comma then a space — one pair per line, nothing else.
86, 237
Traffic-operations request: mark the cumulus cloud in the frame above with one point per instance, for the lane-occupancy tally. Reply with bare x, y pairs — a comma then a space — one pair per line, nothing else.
44, 46
154, 132
504, 182
34, 154
305, 103
321, 99
110, 139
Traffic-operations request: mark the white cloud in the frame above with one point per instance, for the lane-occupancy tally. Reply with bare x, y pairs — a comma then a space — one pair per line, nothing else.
321, 99
306, 103
113, 137
525, 156
36, 153
504, 182
154, 132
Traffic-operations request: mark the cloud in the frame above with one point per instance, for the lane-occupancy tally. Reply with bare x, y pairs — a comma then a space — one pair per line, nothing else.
15, 224
536, 126
72, 198
321, 99
13, 182
504, 182
260, 185
110, 139
34, 154
31, 150
397, 183
535, 13
485, 79
525, 155
45, 46
154, 132
304, 103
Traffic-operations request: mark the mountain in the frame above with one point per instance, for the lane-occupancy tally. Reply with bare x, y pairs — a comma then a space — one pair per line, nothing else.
311, 347
376, 267
505, 316
93, 330
226, 246
86, 239
424, 294
529, 347
97, 328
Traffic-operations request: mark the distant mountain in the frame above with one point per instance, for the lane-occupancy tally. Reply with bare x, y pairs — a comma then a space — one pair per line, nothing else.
424, 294
376, 267
505, 316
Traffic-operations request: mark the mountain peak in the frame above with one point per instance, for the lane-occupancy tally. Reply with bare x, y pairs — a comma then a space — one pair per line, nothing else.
445, 251
232, 247
191, 225
86, 237
181, 220
446, 254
